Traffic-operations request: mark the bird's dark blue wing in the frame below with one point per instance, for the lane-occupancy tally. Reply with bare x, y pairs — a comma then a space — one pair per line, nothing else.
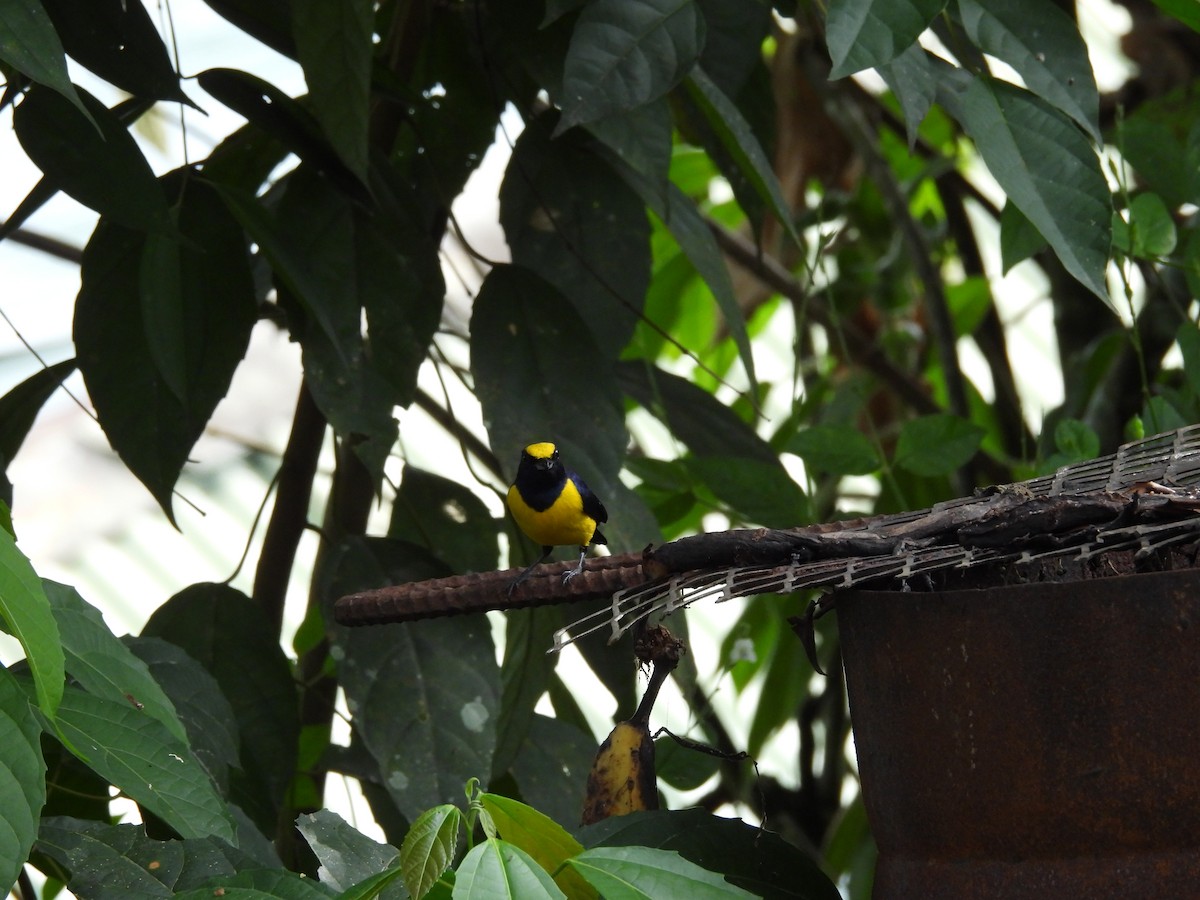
591, 503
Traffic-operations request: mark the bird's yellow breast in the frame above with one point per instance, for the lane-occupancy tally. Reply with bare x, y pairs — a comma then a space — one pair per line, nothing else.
562, 522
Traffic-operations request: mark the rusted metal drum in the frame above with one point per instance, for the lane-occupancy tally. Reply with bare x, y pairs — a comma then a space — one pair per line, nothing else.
1032, 741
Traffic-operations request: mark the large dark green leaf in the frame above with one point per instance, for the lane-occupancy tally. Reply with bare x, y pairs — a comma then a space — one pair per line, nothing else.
760, 492
446, 518
452, 117
539, 376
625, 53
117, 40
641, 139
1043, 43
335, 49
204, 711
137, 754
1183, 10
22, 777
679, 214
268, 21
20, 406
1019, 240
524, 677
1161, 139
912, 79
424, 695
111, 862
230, 635
104, 170
160, 328
552, 765
863, 34
733, 45
567, 217
25, 614
104, 666
703, 423
742, 150
757, 860
1048, 169
265, 105
29, 43
350, 261
347, 856
937, 444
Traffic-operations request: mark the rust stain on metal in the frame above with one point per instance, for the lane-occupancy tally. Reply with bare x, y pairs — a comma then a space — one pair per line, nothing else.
1035, 740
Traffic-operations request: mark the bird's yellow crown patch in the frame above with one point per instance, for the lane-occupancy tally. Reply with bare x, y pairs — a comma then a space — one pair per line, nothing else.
542, 450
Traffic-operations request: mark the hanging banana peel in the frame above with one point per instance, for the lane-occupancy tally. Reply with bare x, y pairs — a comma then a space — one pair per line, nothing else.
623, 778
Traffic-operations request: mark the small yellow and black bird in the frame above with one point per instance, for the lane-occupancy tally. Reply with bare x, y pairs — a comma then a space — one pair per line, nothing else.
554, 507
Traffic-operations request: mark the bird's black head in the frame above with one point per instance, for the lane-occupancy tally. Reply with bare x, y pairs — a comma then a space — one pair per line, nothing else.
539, 460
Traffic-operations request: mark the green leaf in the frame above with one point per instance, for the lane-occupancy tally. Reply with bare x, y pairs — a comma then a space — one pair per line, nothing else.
758, 860
339, 261
429, 848
1183, 10
22, 777
260, 884
1076, 442
424, 695
446, 518
1188, 336
936, 444
761, 492
835, 450
863, 34
547, 842
912, 79
633, 873
704, 424
1161, 140
27, 616
230, 635
140, 757
626, 53
535, 385
200, 311
1049, 170
335, 48
1150, 231
103, 168
1043, 44
738, 139
733, 44
20, 406
524, 676
29, 43
104, 666
205, 713
1019, 239
495, 869
567, 216
287, 120
109, 862
681, 217
118, 41
347, 856
552, 764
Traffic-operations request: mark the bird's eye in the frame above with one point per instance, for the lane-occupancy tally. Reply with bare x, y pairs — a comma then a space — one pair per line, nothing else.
554, 455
